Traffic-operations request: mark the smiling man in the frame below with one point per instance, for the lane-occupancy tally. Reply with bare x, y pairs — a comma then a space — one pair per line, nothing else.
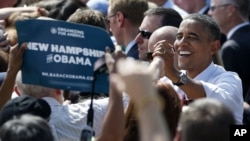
197, 39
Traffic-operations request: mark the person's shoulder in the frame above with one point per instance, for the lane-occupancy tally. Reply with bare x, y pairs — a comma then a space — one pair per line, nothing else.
242, 33
224, 74
227, 75
231, 43
101, 102
238, 42
97, 103
245, 28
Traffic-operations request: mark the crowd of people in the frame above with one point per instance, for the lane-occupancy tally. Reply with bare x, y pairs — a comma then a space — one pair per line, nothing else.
179, 72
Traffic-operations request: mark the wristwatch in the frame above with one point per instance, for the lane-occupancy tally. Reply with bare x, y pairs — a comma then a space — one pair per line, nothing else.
182, 80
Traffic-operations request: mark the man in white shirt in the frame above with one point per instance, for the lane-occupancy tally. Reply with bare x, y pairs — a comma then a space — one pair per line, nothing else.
66, 120
196, 41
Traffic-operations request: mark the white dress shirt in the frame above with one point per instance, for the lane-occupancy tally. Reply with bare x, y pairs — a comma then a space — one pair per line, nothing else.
67, 121
222, 85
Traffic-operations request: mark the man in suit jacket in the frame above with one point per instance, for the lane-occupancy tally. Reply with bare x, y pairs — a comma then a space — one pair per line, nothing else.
133, 52
153, 19
232, 17
124, 21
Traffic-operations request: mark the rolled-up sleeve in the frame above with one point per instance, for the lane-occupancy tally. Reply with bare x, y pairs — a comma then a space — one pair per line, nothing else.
227, 88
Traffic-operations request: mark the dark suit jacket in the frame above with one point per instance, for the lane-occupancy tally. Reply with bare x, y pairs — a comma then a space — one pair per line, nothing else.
235, 54
133, 52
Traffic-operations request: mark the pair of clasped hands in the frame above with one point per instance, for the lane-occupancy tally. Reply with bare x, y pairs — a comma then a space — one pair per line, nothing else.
135, 77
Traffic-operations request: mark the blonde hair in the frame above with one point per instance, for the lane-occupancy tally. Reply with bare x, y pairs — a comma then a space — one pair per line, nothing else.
32, 90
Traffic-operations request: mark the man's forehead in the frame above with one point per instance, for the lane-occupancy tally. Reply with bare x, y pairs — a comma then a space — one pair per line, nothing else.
190, 24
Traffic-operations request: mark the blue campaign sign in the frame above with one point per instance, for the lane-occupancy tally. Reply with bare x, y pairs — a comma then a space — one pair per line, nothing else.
62, 54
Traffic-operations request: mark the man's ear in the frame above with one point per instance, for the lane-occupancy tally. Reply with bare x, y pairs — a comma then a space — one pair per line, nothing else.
215, 47
120, 18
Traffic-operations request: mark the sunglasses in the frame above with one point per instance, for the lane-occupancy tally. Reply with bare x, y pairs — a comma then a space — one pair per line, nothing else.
145, 34
108, 17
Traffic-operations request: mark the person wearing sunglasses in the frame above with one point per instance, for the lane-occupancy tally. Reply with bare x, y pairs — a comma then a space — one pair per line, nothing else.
154, 19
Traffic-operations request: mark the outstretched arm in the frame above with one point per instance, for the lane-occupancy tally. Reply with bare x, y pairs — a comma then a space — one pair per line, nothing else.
15, 63
6, 12
192, 88
137, 82
114, 123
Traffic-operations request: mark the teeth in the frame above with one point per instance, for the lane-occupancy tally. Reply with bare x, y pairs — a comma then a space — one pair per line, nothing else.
185, 53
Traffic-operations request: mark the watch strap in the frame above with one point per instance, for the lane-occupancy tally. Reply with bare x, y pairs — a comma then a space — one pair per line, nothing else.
180, 81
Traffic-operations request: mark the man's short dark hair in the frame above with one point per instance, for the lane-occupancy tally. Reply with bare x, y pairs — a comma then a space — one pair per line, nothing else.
170, 17
26, 128
209, 24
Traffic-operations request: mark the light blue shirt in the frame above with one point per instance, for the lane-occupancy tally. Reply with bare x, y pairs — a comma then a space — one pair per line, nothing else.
67, 121
222, 85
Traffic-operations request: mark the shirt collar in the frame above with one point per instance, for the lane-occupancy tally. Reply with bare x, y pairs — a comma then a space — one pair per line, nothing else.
205, 74
235, 28
129, 46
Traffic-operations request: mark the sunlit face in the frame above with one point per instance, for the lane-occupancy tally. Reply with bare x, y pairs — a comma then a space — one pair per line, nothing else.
218, 11
193, 47
149, 24
113, 25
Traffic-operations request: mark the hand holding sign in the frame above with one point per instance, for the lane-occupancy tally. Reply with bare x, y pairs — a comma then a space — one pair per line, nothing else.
62, 55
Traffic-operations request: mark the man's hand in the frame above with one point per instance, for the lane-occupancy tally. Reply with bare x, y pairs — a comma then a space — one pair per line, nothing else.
112, 58
16, 57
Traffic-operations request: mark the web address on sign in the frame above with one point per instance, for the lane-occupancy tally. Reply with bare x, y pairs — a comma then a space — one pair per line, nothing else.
70, 76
